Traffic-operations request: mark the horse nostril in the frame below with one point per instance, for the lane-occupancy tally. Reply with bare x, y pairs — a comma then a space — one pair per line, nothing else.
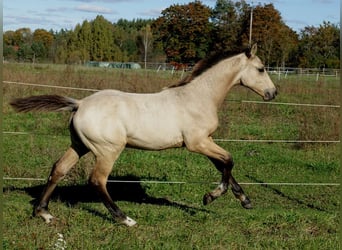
270, 94
267, 96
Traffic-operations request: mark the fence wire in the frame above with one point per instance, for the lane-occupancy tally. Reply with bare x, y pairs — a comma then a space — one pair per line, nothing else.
242, 101
190, 182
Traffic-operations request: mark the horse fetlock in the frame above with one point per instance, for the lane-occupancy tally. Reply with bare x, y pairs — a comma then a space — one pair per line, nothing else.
223, 187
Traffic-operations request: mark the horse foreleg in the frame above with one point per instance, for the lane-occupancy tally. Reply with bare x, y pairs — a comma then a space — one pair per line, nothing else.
98, 180
59, 170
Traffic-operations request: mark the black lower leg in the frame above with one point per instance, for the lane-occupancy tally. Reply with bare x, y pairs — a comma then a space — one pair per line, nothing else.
42, 204
41, 207
222, 188
113, 209
227, 178
239, 193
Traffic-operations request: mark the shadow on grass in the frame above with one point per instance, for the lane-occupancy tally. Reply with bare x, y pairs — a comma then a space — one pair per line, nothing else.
119, 191
285, 196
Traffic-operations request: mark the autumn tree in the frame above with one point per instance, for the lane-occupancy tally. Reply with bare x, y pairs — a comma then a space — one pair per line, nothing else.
9, 38
22, 36
43, 36
184, 31
265, 30
22, 40
269, 30
17, 44
42, 41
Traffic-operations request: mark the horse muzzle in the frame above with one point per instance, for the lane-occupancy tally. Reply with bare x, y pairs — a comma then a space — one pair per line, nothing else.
270, 94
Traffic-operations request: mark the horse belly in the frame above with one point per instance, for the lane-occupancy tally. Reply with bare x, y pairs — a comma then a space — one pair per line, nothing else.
154, 137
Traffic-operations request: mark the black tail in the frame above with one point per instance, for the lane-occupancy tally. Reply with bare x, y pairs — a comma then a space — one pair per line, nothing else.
45, 103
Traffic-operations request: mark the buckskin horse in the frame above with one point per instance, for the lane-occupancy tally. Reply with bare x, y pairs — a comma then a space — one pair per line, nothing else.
184, 115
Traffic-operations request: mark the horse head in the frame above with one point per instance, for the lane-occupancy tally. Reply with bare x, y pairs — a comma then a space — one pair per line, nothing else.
255, 77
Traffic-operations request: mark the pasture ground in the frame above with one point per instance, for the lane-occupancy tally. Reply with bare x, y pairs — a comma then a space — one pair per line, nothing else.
171, 216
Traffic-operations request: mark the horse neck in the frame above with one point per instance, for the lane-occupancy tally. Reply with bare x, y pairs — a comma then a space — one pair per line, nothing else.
214, 84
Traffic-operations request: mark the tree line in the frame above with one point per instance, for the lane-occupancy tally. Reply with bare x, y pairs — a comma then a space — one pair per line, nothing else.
182, 34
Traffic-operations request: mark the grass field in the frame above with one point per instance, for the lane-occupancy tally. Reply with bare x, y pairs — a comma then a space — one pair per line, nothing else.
171, 216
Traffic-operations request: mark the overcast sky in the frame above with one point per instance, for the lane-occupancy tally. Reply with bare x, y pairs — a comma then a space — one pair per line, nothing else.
58, 14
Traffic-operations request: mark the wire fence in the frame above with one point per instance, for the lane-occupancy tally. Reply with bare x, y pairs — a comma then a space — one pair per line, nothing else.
7, 178
242, 101
162, 66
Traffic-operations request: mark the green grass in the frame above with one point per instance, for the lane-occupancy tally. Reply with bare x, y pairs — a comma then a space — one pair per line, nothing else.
171, 216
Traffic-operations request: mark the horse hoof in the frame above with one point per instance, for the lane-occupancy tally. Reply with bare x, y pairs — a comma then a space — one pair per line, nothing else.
207, 198
129, 222
48, 218
246, 204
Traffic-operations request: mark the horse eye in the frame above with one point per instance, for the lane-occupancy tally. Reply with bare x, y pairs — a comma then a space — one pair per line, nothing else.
261, 70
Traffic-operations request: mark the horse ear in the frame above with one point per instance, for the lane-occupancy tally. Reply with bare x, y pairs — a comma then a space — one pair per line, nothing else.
254, 49
248, 52
251, 51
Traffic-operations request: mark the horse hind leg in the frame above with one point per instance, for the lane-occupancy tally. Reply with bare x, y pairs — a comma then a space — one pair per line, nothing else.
59, 170
99, 179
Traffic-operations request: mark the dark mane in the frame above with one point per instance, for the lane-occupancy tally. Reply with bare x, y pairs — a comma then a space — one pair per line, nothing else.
204, 65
